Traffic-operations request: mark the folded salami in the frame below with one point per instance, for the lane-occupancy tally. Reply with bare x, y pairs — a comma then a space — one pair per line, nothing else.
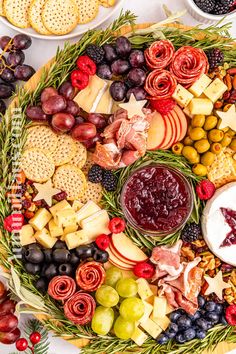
61, 287
159, 55
80, 308
160, 84
90, 276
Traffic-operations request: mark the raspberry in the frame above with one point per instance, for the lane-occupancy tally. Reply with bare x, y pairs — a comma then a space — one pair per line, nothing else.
102, 241
230, 315
79, 79
13, 222
116, 225
163, 106
86, 65
205, 189
144, 270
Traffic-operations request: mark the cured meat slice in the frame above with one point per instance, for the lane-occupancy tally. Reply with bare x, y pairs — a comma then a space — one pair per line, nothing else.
160, 85
159, 54
188, 65
61, 287
80, 308
90, 276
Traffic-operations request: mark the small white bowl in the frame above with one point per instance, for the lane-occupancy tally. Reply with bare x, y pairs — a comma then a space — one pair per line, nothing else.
204, 17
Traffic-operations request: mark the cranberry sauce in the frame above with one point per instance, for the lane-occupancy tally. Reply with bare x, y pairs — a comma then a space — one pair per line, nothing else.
230, 218
157, 199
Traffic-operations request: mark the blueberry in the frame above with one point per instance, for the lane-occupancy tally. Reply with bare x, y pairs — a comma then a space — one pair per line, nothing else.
223, 320
210, 324
200, 333
195, 316
173, 328
219, 309
184, 322
202, 312
202, 323
170, 334
180, 338
210, 306
201, 301
189, 334
162, 339
212, 317
174, 316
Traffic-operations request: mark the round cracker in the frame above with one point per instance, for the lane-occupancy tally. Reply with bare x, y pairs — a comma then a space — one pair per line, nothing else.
16, 11
107, 3
93, 192
88, 10
35, 16
80, 157
70, 179
65, 150
89, 163
37, 166
2, 13
60, 16
41, 137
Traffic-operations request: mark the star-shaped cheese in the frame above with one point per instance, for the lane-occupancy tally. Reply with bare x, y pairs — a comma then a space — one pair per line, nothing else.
216, 285
45, 192
134, 107
228, 119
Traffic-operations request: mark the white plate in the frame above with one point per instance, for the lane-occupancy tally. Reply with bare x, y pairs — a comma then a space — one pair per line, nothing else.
103, 15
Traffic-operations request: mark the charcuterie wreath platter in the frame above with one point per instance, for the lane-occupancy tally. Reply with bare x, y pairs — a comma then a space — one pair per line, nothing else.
118, 190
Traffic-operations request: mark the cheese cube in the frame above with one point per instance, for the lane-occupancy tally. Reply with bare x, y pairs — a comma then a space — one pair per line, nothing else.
144, 290
161, 322
151, 328
54, 229
139, 337
187, 112
96, 224
159, 307
27, 235
148, 308
200, 85
76, 239
77, 205
87, 210
201, 106
70, 228
215, 90
182, 96
59, 206
43, 237
154, 289
65, 217
40, 219
169, 309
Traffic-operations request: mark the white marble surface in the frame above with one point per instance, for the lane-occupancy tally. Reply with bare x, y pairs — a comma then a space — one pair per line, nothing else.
41, 51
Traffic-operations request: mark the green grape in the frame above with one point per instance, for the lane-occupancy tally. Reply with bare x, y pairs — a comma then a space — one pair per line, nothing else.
127, 287
113, 274
132, 309
107, 296
102, 321
123, 329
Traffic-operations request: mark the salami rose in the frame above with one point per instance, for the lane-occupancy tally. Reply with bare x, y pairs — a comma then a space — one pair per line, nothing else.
188, 65
79, 308
159, 54
160, 84
90, 276
61, 287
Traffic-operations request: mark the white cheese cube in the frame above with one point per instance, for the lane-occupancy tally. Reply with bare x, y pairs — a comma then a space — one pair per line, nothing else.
40, 219
182, 96
151, 328
77, 205
87, 210
215, 90
70, 228
161, 322
200, 85
65, 217
43, 237
59, 206
96, 224
76, 239
159, 307
54, 229
139, 337
148, 308
144, 290
27, 235
201, 106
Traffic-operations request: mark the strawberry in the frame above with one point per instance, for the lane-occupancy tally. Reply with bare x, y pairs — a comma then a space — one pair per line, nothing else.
102, 241
163, 106
230, 315
205, 189
87, 65
144, 270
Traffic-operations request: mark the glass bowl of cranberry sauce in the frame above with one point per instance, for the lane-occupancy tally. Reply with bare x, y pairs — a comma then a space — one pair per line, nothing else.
157, 200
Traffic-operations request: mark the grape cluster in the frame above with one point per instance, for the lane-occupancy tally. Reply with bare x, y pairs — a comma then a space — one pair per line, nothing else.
12, 67
118, 61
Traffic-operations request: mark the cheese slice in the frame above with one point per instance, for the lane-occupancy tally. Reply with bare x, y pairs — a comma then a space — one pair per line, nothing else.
65, 217
77, 205
76, 239
215, 90
200, 85
59, 206
96, 224
161, 322
105, 104
40, 219
70, 228
54, 229
27, 235
144, 290
148, 308
182, 96
87, 210
139, 337
159, 307
43, 237
201, 106
151, 328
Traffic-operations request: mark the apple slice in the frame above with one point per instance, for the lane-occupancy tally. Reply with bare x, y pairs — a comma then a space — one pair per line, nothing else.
177, 121
116, 262
120, 257
127, 249
184, 123
156, 132
169, 132
173, 132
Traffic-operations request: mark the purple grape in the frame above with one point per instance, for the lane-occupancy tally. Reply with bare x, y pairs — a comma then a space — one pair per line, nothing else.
4, 40
8, 75
72, 108
2, 107
15, 58
36, 113
104, 71
120, 67
136, 77
136, 58
6, 90
139, 93
123, 47
79, 120
22, 41
118, 90
67, 90
24, 72
110, 52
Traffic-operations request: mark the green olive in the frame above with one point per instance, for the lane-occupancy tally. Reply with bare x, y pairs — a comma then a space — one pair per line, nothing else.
194, 160
233, 144
216, 148
199, 170
226, 140
202, 145
231, 132
197, 133
177, 148
188, 141
208, 158
198, 121
189, 153
215, 135
210, 123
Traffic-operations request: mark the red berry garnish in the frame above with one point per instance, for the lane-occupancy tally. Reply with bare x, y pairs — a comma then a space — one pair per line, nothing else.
205, 189
86, 65
21, 344
13, 222
163, 106
79, 79
230, 315
144, 270
102, 241
35, 338
116, 225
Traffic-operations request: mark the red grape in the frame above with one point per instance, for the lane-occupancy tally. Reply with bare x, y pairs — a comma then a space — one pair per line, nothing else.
6, 90
63, 122
136, 77
47, 93
67, 90
36, 113
10, 337
8, 75
84, 131
15, 58
118, 90
98, 120
72, 108
120, 67
54, 104
22, 41
8, 323
139, 93
79, 120
7, 306
136, 58
4, 40
24, 72
91, 143
123, 46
